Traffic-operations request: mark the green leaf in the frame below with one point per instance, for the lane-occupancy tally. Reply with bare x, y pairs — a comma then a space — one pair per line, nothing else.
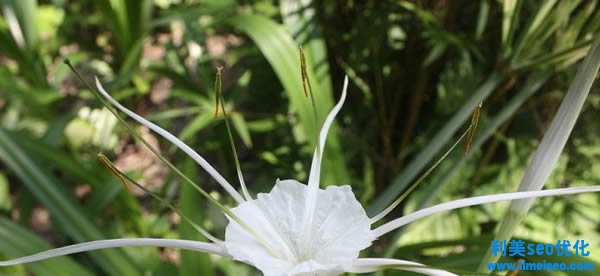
191, 203
241, 127
129, 21
5, 202
202, 120
25, 12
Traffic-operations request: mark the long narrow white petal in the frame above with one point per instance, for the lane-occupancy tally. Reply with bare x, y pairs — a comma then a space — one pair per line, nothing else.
180, 144
547, 153
315, 167
102, 244
399, 222
366, 265
315, 172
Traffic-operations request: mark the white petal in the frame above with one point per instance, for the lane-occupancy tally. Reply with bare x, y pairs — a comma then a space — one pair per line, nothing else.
341, 230
371, 265
315, 169
399, 222
546, 155
311, 267
102, 244
181, 145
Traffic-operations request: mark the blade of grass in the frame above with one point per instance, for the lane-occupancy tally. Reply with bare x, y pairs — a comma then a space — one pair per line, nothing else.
129, 21
570, 54
510, 17
545, 25
24, 44
534, 24
191, 203
25, 12
482, 18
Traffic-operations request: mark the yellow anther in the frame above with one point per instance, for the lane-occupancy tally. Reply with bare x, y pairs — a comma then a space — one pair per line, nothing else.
109, 165
473, 127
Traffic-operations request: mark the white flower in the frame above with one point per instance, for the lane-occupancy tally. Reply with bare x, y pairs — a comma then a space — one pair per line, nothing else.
295, 229
341, 229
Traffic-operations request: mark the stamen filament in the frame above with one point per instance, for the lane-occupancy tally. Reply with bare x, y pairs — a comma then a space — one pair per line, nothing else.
125, 179
238, 168
394, 204
218, 90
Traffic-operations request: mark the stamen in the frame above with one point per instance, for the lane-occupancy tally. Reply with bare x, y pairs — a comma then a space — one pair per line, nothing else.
413, 186
303, 71
474, 123
238, 168
218, 86
305, 83
126, 180
108, 165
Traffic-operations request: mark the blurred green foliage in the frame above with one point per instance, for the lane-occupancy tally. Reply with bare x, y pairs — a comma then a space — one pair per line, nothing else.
417, 70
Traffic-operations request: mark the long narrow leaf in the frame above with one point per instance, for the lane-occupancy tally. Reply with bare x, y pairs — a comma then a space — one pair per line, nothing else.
191, 203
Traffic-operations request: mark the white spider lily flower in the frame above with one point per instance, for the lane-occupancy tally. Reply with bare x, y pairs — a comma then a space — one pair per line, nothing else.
296, 229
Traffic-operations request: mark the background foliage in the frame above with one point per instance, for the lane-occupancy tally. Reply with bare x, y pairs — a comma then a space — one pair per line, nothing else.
417, 69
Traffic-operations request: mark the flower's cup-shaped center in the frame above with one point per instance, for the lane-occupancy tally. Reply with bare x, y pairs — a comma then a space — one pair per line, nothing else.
340, 230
